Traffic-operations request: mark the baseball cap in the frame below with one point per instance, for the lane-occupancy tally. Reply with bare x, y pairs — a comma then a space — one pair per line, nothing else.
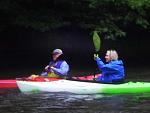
57, 51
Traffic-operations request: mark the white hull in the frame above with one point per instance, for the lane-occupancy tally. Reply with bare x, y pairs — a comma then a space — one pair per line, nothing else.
60, 86
78, 87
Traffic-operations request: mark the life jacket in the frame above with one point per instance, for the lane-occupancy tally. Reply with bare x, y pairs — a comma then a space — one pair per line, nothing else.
55, 65
52, 75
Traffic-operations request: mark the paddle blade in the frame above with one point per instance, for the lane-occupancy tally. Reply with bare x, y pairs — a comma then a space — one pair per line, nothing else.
96, 41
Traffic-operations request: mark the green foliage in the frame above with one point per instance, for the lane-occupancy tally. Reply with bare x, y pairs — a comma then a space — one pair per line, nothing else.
109, 17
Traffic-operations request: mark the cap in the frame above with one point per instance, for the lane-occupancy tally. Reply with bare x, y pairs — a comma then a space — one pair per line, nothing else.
57, 51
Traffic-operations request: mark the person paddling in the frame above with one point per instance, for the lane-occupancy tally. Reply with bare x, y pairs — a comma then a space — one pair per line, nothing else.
57, 68
113, 70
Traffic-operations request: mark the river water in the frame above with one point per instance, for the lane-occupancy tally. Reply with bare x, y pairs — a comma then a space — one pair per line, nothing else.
13, 101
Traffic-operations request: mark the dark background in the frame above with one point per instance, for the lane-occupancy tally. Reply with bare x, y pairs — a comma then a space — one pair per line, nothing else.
26, 51
31, 29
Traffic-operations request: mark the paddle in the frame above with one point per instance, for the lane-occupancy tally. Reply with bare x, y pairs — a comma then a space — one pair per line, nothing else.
96, 41
97, 45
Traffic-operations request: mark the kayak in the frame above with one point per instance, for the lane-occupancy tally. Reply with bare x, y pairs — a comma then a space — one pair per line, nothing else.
11, 83
81, 87
8, 83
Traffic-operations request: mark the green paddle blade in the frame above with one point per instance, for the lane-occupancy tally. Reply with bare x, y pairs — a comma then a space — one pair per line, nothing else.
96, 41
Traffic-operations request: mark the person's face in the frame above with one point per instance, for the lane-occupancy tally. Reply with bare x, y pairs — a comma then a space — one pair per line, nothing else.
55, 56
107, 57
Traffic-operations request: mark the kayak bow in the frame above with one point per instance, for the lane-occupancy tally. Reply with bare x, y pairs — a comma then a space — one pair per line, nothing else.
8, 83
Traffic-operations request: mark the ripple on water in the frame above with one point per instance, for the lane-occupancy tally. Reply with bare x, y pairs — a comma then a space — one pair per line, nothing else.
12, 101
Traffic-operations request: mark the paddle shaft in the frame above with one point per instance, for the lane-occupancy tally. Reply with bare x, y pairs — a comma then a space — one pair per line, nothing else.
97, 45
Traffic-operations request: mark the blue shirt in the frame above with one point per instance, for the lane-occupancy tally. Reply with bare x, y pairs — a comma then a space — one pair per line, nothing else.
111, 72
61, 68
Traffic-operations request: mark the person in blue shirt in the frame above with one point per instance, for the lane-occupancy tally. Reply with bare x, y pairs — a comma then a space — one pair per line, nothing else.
113, 70
58, 67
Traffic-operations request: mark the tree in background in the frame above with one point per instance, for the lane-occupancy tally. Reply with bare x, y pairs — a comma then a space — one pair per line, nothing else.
109, 17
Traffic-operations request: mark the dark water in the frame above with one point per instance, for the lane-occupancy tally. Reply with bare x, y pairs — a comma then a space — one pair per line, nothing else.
13, 101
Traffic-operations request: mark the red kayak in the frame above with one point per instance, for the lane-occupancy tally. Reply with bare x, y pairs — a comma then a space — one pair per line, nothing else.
8, 83
86, 78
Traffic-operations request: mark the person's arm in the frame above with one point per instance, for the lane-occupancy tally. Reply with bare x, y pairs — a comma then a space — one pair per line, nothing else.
46, 68
63, 70
100, 63
103, 66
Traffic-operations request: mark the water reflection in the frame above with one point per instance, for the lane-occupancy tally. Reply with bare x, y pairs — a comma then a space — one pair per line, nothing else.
12, 101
